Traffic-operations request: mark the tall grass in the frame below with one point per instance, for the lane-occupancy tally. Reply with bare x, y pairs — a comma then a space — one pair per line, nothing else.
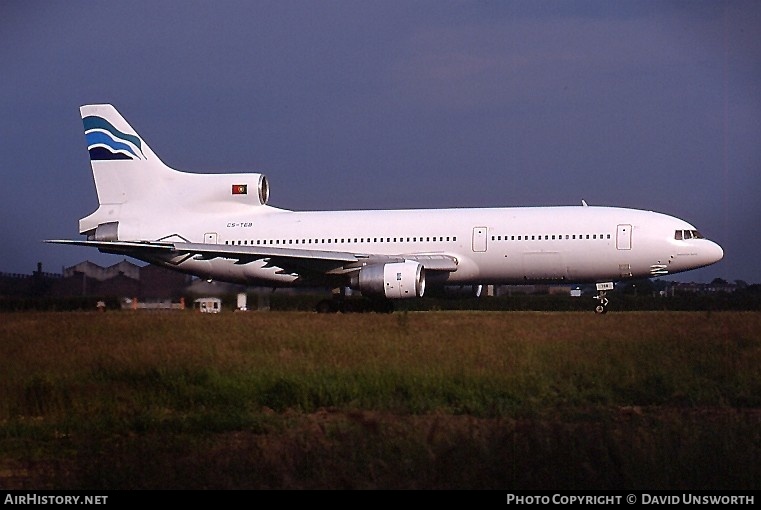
74, 381
486, 364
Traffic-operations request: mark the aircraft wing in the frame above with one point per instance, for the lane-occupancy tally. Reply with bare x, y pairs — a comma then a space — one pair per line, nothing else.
289, 260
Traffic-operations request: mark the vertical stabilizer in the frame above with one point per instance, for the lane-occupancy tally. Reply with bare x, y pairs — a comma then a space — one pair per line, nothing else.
118, 156
139, 197
123, 165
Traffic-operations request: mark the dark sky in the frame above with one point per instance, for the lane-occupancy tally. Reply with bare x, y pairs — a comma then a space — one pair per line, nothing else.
363, 104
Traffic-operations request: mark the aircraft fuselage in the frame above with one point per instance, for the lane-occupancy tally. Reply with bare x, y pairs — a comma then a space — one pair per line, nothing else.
492, 246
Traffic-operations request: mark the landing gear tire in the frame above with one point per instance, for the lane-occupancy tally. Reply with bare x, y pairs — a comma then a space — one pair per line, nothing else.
354, 306
384, 306
326, 306
602, 303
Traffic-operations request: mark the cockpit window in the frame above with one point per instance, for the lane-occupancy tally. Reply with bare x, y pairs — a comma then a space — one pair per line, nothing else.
687, 234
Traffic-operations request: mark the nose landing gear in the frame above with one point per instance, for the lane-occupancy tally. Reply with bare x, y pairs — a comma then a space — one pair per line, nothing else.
602, 301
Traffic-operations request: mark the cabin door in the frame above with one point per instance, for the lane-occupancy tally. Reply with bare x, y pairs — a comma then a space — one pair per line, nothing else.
210, 238
479, 238
624, 237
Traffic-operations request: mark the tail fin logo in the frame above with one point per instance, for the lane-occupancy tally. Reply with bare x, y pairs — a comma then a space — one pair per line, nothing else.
105, 142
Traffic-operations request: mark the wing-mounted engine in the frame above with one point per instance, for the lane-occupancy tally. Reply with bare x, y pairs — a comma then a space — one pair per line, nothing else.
397, 280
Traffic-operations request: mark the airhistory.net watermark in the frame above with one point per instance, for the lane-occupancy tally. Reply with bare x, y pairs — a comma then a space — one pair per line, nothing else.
49, 499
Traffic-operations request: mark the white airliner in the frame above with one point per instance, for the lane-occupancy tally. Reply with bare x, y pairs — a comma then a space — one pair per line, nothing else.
219, 226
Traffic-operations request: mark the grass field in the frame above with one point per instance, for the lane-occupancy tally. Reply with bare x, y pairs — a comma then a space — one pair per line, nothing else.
500, 400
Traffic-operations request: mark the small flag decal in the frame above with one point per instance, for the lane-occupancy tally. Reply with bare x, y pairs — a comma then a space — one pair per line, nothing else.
240, 189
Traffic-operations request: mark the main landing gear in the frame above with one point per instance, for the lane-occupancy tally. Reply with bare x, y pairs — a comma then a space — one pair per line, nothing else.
355, 305
602, 301
345, 303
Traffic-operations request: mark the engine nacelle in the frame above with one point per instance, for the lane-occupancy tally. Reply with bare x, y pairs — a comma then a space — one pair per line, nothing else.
397, 280
212, 190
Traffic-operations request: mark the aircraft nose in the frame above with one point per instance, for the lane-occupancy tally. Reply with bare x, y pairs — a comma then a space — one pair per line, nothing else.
713, 253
